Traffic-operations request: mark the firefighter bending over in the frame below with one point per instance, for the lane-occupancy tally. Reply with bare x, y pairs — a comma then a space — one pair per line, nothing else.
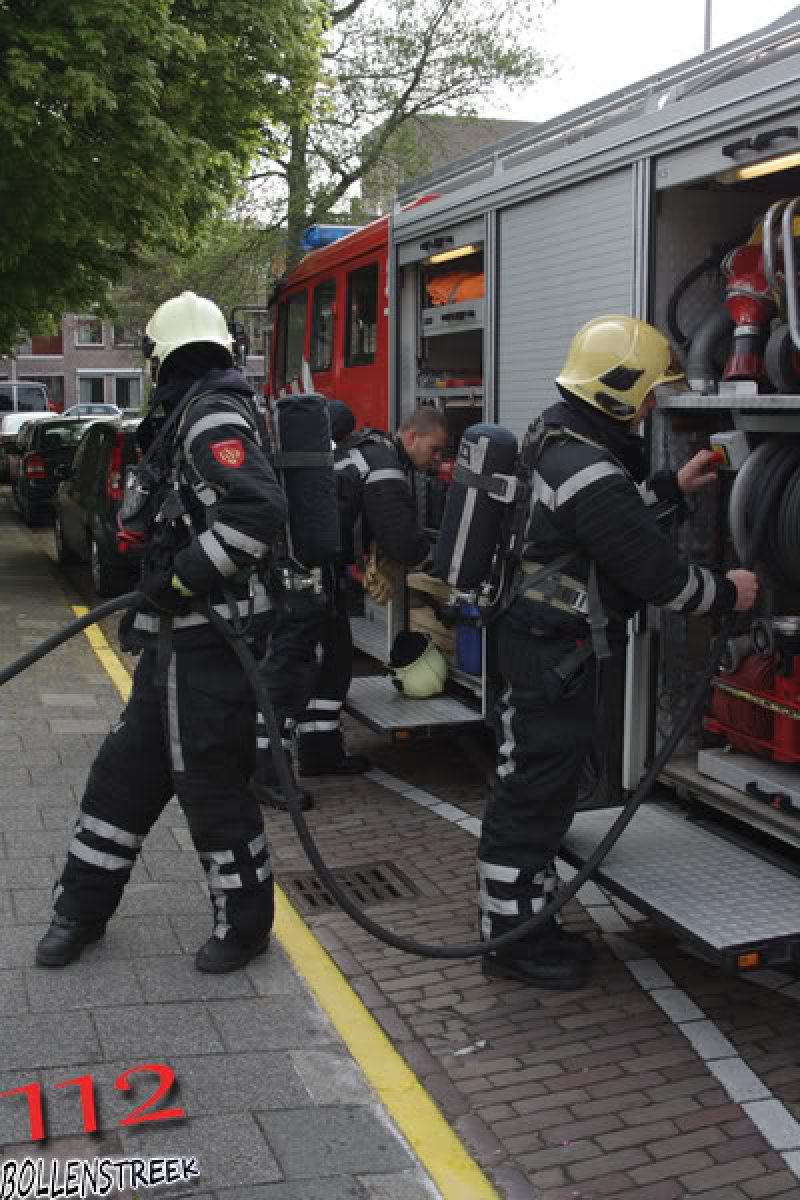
207, 505
589, 522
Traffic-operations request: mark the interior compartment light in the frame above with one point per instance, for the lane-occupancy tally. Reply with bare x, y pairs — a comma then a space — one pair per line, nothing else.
767, 166
449, 255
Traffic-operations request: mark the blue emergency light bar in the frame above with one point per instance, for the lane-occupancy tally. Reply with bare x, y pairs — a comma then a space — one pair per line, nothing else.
317, 236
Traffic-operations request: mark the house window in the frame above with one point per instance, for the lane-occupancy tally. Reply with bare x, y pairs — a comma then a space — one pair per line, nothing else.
292, 339
128, 391
47, 343
322, 313
89, 332
92, 389
55, 388
362, 315
125, 336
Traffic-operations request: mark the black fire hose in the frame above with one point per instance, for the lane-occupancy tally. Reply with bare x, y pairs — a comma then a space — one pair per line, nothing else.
286, 780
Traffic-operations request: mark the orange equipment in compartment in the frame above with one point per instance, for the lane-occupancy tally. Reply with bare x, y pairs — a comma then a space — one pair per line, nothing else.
455, 286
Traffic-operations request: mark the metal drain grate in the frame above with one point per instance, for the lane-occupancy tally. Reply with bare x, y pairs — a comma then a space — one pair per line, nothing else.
366, 883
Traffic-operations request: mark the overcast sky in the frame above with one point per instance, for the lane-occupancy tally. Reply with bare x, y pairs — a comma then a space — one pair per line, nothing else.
602, 45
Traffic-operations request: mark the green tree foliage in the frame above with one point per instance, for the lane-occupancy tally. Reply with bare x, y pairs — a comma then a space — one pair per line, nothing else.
231, 262
124, 125
385, 65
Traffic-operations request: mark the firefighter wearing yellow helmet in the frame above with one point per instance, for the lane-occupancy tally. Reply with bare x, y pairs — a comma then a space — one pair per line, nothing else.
593, 552
204, 506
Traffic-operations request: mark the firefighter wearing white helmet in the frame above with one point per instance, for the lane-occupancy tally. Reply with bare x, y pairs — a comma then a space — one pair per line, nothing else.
594, 551
205, 506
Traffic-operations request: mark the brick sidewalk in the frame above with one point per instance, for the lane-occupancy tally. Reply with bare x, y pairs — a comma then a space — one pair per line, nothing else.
597, 1093
278, 1109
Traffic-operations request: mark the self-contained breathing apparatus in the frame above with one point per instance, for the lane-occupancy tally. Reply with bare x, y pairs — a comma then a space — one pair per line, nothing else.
479, 551
300, 452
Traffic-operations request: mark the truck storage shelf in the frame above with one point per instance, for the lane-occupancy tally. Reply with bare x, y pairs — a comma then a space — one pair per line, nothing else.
667, 865
370, 636
375, 700
682, 773
452, 318
447, 392
759, 404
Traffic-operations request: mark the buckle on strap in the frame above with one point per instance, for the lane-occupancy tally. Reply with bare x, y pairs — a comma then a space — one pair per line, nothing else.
502, 488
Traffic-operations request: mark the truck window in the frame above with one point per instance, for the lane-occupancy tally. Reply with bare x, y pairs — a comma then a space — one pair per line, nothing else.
292, 321
362, 315
322, 312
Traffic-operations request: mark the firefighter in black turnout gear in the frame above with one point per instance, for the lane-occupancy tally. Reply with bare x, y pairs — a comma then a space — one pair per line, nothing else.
307, 667
206, 503
376, 506
592, 553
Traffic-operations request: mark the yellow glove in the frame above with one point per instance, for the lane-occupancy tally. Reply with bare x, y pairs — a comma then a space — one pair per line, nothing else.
380, 577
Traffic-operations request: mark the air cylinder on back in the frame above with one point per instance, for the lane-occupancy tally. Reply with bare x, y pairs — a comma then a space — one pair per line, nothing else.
304, 461
474, 511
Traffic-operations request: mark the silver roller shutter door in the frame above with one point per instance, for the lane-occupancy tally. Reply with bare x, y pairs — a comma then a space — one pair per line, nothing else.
562, 258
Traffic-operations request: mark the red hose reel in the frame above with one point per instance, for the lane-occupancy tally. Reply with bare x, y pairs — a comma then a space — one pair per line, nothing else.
756, 708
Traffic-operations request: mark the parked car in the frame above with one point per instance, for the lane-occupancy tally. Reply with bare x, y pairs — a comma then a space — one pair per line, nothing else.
20, 395
10, 425
93, 410
87, 503
34, 459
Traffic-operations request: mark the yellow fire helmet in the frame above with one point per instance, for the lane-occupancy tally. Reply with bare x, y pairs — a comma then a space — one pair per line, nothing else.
182, 320
614, 362
417, 665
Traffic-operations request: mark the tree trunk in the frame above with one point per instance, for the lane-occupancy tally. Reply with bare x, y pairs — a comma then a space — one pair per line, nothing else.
298, 181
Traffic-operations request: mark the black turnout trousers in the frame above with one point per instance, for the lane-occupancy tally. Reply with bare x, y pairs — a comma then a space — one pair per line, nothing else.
544, 731
308, 671
188, 730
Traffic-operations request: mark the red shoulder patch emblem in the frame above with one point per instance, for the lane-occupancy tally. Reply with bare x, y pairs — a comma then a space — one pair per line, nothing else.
229, 453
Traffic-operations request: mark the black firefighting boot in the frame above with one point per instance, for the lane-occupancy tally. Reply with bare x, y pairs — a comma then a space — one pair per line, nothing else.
217, 957
571, 945
540, 964
348, 764
65, 940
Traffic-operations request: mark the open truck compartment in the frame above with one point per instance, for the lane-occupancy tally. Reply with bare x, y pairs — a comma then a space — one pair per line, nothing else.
636, 205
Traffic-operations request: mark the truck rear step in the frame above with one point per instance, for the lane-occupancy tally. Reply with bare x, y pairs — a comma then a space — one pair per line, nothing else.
742, 910
375, 700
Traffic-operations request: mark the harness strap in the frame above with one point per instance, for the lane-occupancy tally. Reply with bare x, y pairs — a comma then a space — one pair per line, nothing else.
303, 458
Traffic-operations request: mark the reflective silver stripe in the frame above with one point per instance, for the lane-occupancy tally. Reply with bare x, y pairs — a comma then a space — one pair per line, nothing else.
542, 493
222, 881
214, 421
505, 908
258, 844
583, 479
261, 603
240, 540
98, 858
506, 750
647, 494
317, 726
317, 705
360, 462
263, 743
343, 464
386, 473
111, 832
221, 857
498, 873
709, 591
685, 594
175, 749
263, 873
215, 551
206, 494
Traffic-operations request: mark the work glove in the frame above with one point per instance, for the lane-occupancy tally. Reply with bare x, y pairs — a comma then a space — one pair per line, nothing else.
381, 576
165, 592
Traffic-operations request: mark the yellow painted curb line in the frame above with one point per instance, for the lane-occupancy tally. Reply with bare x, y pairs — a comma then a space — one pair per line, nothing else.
457, 1176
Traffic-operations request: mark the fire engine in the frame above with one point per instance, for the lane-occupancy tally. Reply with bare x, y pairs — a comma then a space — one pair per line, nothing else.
678, 201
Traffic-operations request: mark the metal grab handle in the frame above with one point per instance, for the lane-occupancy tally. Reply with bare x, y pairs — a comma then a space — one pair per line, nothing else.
790, 271
770, 248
